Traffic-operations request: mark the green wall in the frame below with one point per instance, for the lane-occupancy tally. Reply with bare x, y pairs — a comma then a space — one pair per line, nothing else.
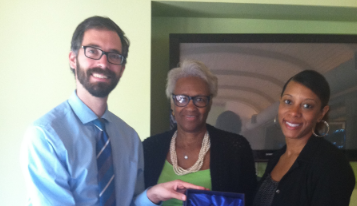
341, 3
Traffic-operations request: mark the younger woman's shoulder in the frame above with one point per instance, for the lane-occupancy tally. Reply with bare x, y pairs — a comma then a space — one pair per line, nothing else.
328, 155
326, 148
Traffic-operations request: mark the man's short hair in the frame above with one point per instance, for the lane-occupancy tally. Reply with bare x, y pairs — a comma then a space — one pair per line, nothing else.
98, 22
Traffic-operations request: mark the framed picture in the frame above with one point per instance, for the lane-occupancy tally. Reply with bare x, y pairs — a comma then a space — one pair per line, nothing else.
251, 71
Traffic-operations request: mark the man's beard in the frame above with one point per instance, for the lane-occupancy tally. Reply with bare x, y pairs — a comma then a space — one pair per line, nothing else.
97, 89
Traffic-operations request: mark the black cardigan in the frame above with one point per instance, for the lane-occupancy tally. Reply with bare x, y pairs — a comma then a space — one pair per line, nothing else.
320, 176
231, 164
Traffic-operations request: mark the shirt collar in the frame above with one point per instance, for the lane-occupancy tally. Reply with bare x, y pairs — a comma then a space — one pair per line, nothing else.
83, 112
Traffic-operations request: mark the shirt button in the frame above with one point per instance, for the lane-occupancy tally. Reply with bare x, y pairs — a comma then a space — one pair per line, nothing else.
277, 191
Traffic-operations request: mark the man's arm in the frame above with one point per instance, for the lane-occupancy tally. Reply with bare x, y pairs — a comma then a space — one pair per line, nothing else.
165, 191
168, 190
46, 176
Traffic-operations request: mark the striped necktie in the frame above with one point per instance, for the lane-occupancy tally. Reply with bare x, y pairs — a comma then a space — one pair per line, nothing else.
105, 167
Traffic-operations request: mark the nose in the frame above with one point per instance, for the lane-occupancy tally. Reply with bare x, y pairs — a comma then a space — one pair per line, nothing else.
295, 110
103, 62
190, 105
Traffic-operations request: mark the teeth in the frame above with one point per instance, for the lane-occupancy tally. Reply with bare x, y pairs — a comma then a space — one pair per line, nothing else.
100, 76
292, 125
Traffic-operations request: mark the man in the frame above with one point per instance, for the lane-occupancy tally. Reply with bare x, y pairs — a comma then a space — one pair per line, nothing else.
80, 153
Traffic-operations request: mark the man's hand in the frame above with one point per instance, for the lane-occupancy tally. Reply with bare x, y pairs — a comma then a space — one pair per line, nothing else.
168, 190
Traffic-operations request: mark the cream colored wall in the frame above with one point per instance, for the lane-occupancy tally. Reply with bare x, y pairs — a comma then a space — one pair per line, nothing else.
35, 77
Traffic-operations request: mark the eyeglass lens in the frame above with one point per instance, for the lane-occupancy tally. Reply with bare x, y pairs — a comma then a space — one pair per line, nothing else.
183, 100
95, 53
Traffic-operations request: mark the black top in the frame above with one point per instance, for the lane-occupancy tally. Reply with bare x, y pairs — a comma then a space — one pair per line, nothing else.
231, 164
266, 192
320, 176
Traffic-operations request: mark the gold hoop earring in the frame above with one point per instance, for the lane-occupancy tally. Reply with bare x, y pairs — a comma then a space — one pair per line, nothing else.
276, 121
323, 135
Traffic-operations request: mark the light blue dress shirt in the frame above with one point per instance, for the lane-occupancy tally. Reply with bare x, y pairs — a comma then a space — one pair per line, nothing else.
59, 158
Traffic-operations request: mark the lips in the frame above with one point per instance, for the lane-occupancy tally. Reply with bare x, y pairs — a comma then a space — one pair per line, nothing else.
190, 117
100, 76
100, 73
292, 125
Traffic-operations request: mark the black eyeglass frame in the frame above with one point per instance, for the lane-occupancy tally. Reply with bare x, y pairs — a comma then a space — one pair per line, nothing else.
105, 53
173, 96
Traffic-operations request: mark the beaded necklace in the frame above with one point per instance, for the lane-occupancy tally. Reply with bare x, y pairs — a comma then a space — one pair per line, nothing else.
206, 144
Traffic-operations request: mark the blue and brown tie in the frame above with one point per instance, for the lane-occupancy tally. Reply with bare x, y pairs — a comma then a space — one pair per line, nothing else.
105, 167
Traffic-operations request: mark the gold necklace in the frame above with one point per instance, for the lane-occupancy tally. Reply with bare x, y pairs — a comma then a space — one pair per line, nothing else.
206, 144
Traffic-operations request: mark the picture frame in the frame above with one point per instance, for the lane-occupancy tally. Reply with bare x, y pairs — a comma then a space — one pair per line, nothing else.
252, 69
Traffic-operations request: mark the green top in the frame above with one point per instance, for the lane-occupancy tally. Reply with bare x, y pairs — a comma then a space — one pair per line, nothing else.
201, 178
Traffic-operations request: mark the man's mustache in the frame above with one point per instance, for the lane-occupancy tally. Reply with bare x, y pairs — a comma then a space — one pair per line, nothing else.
106, 72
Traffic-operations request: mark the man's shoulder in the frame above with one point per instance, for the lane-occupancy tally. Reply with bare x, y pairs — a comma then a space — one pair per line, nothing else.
120, 124
117, 119
55, 116
54, 127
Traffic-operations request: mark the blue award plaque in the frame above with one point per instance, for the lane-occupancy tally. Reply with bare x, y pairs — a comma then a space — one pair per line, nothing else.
210, 198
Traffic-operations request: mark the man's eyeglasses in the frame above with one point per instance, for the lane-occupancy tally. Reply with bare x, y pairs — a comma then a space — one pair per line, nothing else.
181, 100
96, 54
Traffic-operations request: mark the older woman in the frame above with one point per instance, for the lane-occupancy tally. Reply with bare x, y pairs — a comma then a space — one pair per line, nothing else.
308, 170
196, 152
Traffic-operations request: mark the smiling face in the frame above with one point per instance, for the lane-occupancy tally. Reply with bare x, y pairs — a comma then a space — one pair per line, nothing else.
97, 77
191, 118
299, 111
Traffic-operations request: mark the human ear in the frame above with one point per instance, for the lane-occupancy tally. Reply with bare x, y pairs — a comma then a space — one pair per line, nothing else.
324, 111
72, 60
209, 105
172, 105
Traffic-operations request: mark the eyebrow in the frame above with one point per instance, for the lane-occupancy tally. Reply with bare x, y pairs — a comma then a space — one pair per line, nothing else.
98, 47
292, 96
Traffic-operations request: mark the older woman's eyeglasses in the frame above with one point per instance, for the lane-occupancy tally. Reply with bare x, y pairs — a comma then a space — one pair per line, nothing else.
181, 100
96, 54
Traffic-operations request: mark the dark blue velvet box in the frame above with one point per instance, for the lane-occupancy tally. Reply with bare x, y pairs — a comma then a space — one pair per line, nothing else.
210, 198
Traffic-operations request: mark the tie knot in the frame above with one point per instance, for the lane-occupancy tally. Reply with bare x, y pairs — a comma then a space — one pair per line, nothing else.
100, 124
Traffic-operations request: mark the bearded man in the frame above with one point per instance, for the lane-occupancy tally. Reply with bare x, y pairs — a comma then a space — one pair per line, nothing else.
80, 153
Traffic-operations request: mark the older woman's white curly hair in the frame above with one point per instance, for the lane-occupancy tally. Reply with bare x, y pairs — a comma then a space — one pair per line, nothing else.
190, 68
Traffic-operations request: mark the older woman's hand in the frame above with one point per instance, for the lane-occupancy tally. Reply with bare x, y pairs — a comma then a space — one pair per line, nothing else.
168, 190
